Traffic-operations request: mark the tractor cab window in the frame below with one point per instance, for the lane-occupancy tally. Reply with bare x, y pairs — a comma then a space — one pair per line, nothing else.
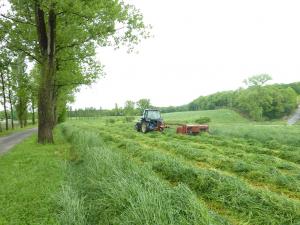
153, 115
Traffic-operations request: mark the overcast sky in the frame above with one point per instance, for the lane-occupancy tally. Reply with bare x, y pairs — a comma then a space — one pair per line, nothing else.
200, 47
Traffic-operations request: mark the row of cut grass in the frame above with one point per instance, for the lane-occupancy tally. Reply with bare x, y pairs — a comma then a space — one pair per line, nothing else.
259, 169
259, 207
110, 188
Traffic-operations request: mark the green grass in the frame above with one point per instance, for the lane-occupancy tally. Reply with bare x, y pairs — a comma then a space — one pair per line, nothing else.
228, 123
102, 171
277, 134
30, 178
239, 179
216, 116
107, 187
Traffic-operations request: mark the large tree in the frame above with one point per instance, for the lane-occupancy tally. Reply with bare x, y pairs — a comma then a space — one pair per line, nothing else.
62, 36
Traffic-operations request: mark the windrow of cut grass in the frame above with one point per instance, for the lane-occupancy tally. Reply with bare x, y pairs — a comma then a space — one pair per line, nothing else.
107, 187
251, 205
270, 147
262, 170
268, 134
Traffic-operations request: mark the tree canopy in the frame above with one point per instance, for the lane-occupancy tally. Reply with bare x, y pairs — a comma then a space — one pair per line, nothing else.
61, 37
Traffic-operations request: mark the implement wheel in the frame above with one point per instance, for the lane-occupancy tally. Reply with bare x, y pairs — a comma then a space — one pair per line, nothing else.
144, 127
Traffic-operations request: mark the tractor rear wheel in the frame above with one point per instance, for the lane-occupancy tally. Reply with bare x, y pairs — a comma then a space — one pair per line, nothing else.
138, 127
144, 127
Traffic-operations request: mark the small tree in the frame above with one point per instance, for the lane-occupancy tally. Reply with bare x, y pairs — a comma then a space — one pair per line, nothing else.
129, 108
143, 104
257, 80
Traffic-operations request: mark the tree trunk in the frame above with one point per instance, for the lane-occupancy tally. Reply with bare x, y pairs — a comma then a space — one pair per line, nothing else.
32, 109
11, 109
21, 123
47, 41
45, 105
4, 101
25, 118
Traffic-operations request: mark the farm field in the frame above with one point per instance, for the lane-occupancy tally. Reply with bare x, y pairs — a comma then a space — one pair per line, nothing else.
230, 176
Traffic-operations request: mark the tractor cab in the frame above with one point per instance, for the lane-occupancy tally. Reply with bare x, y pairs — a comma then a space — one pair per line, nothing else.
150, 121
150, 114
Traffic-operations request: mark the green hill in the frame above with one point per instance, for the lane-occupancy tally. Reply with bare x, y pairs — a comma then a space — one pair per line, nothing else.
216, 116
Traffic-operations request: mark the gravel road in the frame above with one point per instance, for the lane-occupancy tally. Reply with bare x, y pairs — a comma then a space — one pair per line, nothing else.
6, 143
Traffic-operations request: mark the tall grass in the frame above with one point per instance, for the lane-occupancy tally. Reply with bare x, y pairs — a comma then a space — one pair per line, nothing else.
258, 206
240, 158
73, 211
114, 189
253, 205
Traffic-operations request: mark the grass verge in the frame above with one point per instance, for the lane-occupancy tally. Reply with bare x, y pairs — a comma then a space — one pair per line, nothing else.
30, 177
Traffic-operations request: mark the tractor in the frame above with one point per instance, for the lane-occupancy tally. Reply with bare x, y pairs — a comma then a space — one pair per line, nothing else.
150, 121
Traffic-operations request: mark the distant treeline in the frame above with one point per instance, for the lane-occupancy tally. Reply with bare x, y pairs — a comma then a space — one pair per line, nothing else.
257, 102
130, 108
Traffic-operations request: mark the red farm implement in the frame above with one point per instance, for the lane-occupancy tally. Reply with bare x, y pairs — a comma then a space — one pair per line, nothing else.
192, 129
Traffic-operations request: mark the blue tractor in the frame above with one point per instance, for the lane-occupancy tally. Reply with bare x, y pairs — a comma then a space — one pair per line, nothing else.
150, 121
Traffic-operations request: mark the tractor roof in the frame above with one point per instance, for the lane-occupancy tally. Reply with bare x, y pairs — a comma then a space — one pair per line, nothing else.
151, 110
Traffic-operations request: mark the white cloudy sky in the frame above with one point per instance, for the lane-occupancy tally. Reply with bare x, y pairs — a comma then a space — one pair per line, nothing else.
200, 47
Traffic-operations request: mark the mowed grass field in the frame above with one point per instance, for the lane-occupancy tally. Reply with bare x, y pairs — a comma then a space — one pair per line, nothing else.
240, 173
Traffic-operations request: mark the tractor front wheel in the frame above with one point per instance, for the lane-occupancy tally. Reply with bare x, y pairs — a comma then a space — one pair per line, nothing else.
144, 127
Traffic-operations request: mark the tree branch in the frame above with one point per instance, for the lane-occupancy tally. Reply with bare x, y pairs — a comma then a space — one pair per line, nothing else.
17, 20
71, 84
15, 48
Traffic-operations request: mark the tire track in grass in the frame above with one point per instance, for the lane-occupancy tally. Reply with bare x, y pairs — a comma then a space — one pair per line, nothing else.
265, 207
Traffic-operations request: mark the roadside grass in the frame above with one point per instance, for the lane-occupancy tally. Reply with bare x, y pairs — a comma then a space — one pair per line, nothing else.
30, 177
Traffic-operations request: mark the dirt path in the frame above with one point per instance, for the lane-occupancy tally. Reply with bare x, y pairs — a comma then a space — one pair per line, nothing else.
295, 117
6, 143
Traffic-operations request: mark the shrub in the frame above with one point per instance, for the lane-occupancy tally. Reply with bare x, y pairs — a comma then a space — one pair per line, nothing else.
203, 120
110, 120
129, 119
